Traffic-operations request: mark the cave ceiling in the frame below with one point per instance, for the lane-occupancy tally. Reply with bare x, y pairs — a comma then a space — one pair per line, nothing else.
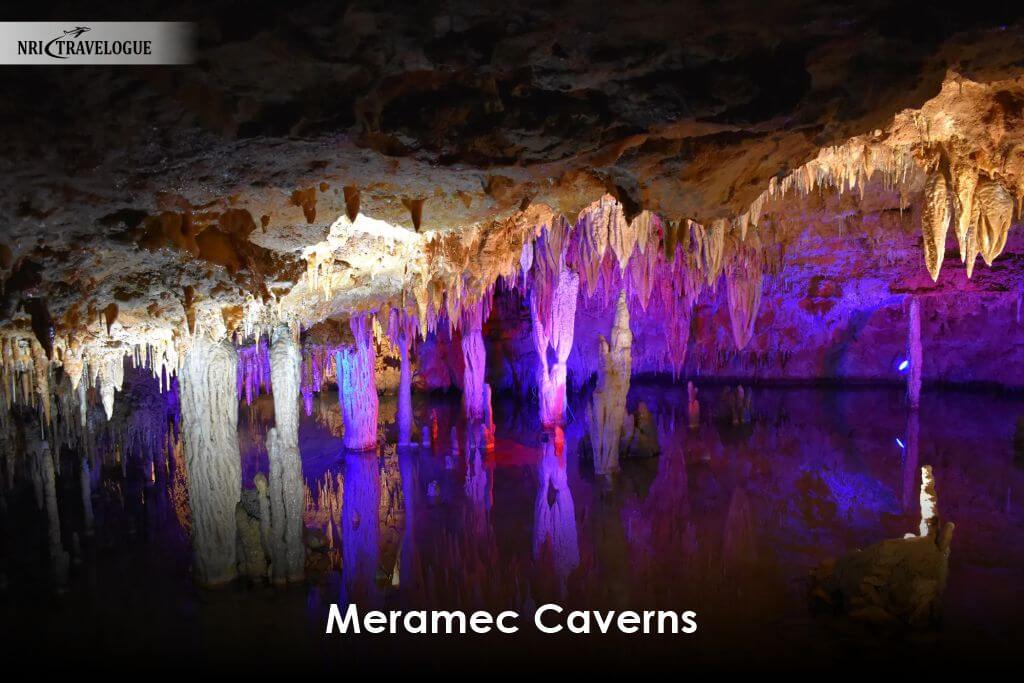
336, 157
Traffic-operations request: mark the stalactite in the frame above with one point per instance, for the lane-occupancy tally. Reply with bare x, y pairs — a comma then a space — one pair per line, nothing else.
993, 205
914, 355
744, 281
608, 407
41, 370
554, 331
935, 217
965, 181
287, 552
357, 387
474, 361
209, 411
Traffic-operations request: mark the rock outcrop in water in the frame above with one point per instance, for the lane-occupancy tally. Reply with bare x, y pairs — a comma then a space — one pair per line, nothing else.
898, 580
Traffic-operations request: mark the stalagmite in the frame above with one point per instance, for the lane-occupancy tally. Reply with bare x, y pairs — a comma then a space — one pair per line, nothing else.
609, 401
935, 217
554, 331
287, 552
914, 355
993, 205
59, 559
474, 361
209, 412
357, 387
929, 503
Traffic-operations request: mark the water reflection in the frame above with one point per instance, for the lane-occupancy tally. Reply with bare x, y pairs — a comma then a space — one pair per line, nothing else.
728, 519
554, 526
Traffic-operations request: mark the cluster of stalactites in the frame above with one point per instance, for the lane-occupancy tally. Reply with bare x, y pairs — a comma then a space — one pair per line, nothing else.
979, 207
978, 203
253, 371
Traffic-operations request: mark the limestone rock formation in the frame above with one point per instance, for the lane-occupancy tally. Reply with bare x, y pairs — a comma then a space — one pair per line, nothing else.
553, 312
357, 389
209, 424
935, 218
898, 580
287, 552
608, 404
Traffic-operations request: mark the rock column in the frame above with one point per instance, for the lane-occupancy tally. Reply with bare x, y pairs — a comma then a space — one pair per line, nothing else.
914, 356
357, 387
209, 411
474, 358
287, 495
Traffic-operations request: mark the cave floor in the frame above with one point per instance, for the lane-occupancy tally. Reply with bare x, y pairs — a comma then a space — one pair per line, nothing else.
728, 521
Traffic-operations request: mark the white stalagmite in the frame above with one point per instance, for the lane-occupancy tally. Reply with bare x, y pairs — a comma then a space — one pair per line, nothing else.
474, 357
83, 404
935, 217
286, 490
929, 503
609, 401
555, 333
914, 355
209, 416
